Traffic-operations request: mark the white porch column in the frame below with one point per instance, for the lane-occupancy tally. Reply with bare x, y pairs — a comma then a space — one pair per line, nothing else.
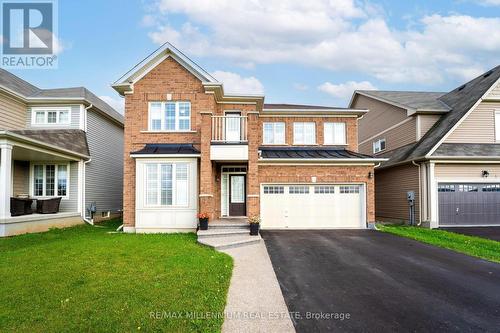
5, 179
433, 197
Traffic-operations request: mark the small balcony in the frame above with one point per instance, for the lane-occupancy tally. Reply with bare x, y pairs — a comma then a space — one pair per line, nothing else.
229, 138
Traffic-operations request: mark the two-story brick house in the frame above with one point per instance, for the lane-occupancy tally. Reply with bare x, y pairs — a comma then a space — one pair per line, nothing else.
57, 144
442, 146
190, 147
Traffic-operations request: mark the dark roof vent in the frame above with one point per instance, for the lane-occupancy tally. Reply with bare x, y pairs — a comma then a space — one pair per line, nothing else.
461, 87
488, 73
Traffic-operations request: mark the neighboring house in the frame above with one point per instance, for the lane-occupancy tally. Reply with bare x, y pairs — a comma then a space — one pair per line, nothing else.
190, 148
64, 143
445, 147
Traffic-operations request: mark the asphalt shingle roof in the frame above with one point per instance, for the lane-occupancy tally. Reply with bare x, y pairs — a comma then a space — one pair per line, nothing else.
415, 100
70, 139
467, 149
460, 101
18, 85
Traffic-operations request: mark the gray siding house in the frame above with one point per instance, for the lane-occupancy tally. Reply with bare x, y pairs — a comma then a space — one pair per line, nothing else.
57, 143
442, 146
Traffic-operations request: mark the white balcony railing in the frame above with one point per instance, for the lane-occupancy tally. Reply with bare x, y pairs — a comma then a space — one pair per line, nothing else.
229, 128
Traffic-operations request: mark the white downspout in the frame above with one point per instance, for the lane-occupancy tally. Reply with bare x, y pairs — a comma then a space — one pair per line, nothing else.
84, 208
419, 194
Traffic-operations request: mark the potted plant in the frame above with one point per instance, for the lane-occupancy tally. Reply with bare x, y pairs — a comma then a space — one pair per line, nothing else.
203, 219
254, 225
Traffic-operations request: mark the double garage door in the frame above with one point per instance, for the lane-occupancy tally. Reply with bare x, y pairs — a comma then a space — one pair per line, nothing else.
312, 206
466, 204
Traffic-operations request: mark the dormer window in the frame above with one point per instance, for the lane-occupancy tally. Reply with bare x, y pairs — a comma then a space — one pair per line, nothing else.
50, 116
378, 146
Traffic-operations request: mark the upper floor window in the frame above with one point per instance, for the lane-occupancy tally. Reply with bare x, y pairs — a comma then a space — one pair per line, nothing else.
50, 116
304, 133
334, 134
378, 146
274, 133
169, 116
50, 180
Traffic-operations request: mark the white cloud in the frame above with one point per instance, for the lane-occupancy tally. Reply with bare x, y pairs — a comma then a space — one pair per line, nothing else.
345, 35
234, 83
488, 2
345, 90
116, 103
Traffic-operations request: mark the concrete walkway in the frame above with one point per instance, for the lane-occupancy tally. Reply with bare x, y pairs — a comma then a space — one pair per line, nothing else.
255, 302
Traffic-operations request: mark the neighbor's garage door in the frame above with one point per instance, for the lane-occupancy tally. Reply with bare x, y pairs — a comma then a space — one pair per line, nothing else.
299, 206
469, 204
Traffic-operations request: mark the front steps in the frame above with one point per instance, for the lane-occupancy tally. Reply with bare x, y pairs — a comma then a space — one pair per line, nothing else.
227, 233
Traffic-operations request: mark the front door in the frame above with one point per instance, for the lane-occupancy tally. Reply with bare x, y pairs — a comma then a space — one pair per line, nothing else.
237, 205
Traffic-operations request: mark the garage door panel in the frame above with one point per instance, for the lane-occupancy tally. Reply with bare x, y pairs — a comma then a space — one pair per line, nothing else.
469, 204
318, 207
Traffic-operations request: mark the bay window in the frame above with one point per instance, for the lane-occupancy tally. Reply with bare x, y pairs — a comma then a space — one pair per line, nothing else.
304, 133
334, 134
167, 184
274, 133
169, 116
50, 180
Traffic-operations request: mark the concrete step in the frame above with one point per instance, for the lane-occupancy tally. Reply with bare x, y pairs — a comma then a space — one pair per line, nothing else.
228, 225
222, 232
228, 242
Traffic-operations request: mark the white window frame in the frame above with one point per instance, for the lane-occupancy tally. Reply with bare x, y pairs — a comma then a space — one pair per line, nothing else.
56, 178
46, 110
282, 140
329, 138
163, 109
158, 185
377, 145
296, 130
497, 125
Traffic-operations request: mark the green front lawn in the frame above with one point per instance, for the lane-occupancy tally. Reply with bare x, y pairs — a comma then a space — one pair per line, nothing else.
88, 279
473, 246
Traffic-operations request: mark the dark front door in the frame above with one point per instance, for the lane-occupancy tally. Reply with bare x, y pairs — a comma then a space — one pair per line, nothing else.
237, 194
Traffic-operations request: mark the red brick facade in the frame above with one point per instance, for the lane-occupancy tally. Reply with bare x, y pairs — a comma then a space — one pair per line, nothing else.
169, 77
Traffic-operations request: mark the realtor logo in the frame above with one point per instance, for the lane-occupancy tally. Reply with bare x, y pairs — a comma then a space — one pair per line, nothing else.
28, 30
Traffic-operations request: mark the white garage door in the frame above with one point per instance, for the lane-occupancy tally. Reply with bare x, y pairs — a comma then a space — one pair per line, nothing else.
299, 206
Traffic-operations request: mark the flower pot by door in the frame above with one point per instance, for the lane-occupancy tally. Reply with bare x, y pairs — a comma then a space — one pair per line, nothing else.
203, 224
254, 229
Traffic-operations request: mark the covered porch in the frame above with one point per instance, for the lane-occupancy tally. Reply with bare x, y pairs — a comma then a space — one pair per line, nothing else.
41, 182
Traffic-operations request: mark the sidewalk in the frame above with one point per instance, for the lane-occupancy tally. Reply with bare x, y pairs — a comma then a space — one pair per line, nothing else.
255, 302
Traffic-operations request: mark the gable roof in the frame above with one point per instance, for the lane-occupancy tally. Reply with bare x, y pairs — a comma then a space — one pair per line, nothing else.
126, 81
30, 93
125, 84
460, 100
412, 101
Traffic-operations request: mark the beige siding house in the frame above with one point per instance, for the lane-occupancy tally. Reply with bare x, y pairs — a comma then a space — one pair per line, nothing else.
61, 157
443, 147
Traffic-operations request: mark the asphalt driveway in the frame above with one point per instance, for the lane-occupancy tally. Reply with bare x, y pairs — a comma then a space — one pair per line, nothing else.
483, 232
382, 282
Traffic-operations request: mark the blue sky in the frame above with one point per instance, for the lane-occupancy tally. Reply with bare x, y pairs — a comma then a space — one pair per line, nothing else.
310, 52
